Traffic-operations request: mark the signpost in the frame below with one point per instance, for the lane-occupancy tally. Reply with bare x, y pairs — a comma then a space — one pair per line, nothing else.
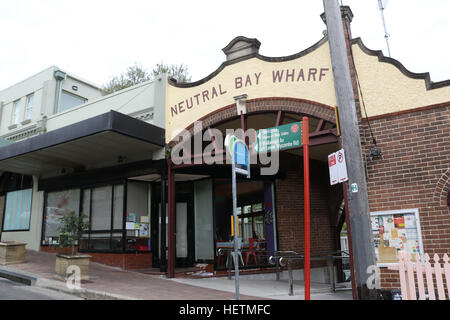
305, 143
240, 164
278, 138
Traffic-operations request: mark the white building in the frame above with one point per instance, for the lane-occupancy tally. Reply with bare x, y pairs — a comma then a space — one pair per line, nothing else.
55, 124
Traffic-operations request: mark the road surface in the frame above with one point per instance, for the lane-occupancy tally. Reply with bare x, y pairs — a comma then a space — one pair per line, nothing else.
10, 290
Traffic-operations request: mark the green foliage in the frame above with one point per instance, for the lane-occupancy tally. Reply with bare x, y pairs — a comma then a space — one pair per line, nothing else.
71, 229
137, 74
180, 73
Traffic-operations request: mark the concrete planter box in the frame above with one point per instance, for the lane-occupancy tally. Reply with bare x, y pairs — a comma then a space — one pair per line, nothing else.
12, 252
63, 261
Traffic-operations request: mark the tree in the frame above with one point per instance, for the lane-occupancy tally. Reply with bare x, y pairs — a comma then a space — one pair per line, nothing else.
180, 73
72, 228
137, 74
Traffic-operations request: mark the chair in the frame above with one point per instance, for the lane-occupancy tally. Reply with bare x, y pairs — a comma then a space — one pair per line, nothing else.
251, 251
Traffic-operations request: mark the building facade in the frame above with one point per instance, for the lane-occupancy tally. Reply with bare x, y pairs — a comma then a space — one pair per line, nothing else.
131, 160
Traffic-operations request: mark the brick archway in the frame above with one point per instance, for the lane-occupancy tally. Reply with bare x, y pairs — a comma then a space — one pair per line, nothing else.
441, 193
263, 105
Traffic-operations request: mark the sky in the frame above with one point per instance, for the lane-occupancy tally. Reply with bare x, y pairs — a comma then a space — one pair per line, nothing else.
98, 39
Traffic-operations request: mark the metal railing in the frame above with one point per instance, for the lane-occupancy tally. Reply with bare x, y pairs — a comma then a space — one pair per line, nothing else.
285, 258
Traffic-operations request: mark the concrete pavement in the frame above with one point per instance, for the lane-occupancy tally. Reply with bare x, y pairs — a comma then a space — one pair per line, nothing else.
113, 283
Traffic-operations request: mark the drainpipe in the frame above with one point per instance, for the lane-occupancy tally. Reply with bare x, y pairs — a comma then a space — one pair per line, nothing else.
59, 76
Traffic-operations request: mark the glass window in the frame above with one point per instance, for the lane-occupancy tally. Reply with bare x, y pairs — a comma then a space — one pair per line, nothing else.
29, 107
137, 216
86, 206
58, 204
101, 208
104, 205
118, 207
17, 106
17, 210
69, 100
394, 231
100, 241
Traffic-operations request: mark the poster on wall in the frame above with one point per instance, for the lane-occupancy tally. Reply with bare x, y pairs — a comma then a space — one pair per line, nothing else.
143, 230
394, 231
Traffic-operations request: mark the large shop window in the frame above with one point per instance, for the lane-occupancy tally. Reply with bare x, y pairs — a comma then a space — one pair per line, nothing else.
18, 210
138, 217
110, 230
58, 204
104, 208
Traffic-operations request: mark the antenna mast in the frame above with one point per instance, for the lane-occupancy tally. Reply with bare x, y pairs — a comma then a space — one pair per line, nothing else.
386, 34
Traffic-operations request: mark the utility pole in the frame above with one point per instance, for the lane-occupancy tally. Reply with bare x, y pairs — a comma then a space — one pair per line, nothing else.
386, 34
358, 202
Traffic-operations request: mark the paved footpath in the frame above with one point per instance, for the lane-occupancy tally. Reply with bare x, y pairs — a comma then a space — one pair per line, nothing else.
115, 283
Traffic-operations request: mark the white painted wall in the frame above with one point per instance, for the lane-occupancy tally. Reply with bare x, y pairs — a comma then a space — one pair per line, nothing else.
134, 101
43, 86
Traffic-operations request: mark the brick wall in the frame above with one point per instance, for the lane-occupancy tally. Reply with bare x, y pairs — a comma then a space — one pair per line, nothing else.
290, 209
414, 172
124, 260
120, 260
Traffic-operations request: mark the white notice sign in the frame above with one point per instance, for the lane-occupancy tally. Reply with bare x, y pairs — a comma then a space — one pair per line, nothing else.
342, 166
334, 178
337, 167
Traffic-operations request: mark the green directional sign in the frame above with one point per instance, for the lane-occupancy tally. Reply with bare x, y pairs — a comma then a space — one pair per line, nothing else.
283, 137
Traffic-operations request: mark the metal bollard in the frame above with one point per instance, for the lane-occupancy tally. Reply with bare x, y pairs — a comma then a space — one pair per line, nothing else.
291, 280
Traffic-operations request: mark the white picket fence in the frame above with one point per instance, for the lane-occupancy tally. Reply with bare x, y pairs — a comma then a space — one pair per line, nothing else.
407, 268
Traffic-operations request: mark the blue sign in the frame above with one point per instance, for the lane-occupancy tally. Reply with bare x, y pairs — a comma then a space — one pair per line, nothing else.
240, 154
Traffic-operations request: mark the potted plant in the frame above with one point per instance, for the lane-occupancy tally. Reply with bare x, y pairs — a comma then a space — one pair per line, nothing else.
72, 228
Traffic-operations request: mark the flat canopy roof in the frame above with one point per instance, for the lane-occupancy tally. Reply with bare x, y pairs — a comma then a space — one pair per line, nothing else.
100, 141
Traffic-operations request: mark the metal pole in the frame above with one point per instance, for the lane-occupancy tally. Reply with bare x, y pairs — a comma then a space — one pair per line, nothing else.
305, 144
386, 34
235, 239
363, 247
162, 236
171, 226
291, 278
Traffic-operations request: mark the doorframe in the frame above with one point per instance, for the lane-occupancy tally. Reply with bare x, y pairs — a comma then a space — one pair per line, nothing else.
184, 197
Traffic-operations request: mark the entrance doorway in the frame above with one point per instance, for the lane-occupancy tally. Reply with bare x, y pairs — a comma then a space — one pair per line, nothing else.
255, 218
184, 224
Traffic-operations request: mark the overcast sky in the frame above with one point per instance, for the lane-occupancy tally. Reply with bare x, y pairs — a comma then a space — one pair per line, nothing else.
98, 39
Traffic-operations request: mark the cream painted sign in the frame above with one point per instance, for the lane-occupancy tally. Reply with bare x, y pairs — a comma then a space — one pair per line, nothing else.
308, 77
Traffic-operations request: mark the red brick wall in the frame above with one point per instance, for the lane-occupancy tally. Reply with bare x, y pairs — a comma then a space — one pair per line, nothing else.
120, 260
290, 210
414, 173
124, 260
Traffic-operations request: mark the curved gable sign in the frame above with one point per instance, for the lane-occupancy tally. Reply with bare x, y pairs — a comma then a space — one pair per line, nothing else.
307, 75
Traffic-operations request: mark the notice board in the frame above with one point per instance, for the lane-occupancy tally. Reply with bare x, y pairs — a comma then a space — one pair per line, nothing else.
394, 231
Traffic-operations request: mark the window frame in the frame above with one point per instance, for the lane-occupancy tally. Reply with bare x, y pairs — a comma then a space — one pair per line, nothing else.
15, 112
29, 216
45, 208
415, 212
70, 94
111, 231
27, 107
